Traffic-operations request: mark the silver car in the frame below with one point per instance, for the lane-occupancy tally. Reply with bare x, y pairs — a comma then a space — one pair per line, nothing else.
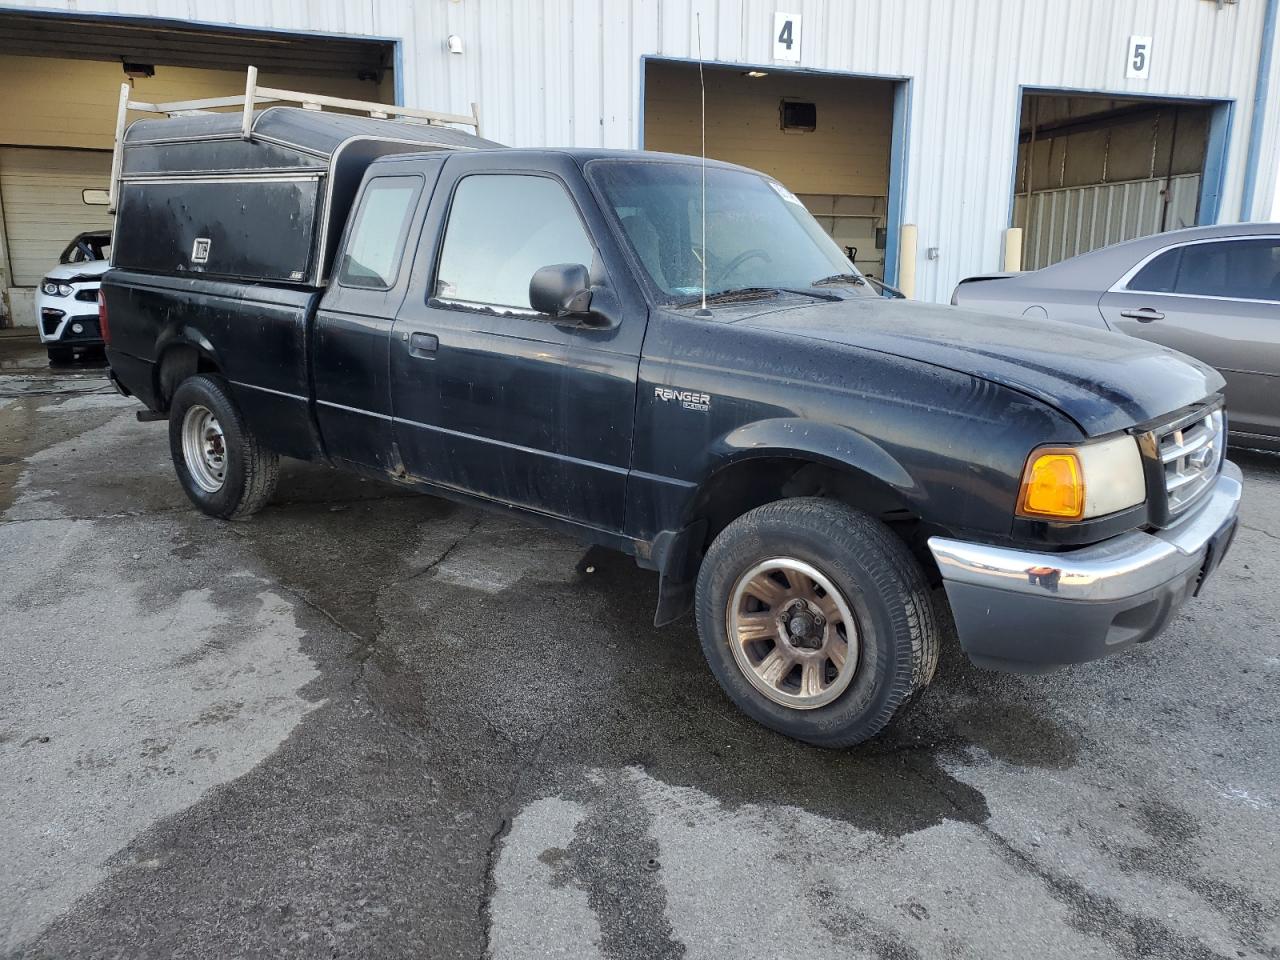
1211, 292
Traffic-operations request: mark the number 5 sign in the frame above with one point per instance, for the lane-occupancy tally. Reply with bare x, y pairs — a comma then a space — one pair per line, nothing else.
786, 36
1137, 66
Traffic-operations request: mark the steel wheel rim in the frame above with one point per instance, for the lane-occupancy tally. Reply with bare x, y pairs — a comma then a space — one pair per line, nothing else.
204, 448
793, 634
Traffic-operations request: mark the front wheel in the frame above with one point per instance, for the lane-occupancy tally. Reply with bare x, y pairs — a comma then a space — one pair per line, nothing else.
224, 469
816, 620
61, 356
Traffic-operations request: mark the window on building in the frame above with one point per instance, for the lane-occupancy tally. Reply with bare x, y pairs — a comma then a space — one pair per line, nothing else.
372, 258
502, 229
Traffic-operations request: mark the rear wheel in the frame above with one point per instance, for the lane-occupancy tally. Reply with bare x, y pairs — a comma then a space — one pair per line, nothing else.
224, 468
816, 620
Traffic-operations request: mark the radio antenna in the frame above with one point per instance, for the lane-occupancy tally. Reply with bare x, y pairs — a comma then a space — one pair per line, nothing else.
703, 89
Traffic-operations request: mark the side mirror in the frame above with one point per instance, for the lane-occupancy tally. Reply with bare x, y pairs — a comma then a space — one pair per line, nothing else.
561, 290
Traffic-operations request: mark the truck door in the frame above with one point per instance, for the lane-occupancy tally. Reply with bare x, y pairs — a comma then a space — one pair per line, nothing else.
353, 322
490, 397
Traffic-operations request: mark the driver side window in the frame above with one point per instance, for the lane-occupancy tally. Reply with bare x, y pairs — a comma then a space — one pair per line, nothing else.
502, 229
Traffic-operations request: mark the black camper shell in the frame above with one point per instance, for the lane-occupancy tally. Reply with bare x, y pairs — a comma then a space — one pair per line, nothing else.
197, 197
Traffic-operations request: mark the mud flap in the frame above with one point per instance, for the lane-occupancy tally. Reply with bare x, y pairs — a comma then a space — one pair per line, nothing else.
677, 554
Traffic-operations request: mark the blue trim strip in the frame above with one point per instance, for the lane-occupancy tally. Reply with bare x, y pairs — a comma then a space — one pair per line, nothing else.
398, 76
773, 68
1258, 122
644, 73
1119, 94
1013, 174
1209, 208
145, 20
898, 165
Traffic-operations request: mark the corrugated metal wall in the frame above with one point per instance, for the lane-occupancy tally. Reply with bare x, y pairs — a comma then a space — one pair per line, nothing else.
569, 72
1074, 220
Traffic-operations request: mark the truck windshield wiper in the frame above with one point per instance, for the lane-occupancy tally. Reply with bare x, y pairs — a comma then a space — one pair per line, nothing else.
744, 294
860, 280
835, 278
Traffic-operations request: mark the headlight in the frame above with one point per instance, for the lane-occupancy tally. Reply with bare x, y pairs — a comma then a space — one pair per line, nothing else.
1077, 483
53, 288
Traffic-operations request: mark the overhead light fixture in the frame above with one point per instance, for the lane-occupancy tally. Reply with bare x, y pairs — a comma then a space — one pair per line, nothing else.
139, 71
454, 43
754, 74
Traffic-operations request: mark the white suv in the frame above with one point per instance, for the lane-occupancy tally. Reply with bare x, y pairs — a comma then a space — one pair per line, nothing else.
67, 301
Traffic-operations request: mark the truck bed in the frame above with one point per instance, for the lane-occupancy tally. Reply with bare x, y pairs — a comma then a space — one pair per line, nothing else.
270, 381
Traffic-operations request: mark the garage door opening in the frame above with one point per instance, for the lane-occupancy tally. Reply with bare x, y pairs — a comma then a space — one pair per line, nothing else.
61, 76
1093, 171
829, 138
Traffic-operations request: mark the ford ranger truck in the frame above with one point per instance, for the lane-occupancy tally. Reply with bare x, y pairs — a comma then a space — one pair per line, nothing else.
800, 459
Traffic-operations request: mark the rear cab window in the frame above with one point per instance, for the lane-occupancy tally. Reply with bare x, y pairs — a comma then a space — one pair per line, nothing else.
372, 256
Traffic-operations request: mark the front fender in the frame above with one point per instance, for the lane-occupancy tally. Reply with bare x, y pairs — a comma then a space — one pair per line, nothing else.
827, 443
727, 489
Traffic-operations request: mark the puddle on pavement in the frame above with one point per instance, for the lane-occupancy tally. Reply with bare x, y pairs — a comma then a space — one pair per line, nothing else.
446, 709
573, 657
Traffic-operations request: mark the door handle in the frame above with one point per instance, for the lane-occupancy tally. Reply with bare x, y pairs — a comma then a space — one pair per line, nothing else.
1142, 314
424, 344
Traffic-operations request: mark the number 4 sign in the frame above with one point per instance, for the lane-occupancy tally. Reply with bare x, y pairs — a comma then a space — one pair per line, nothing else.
1138, 64
786, 36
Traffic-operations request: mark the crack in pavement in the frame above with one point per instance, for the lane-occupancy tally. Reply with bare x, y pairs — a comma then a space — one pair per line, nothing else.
444, 555
1265, 533
188, 508
313, 605
490, 884
614, 859
1099, 915
367, 645
94, 518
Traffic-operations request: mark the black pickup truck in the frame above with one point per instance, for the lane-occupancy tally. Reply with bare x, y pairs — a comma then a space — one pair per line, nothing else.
801, 459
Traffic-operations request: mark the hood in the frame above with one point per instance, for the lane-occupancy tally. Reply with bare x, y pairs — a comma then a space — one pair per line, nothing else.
1103, 381
70, 271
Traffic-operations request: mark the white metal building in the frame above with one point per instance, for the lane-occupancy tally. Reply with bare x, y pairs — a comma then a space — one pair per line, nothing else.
1083, 121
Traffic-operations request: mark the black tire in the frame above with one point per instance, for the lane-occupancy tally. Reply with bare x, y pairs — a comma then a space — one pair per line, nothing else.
61, 356
883, 586
250, 470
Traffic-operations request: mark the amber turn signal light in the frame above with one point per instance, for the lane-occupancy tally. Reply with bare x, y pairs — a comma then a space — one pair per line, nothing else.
1052, 486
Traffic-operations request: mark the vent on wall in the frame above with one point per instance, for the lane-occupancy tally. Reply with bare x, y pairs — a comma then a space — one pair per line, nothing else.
799, 116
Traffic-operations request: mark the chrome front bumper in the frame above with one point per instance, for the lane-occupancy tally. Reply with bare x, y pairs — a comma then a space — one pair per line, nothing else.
1028, 611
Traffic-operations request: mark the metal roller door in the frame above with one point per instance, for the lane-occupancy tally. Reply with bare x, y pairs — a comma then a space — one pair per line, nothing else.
41, 192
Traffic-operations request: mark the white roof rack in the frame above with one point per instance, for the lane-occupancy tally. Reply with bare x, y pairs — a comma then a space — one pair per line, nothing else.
255, 95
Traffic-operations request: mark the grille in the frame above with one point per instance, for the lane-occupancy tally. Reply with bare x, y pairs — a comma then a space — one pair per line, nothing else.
89, 296
1191, 455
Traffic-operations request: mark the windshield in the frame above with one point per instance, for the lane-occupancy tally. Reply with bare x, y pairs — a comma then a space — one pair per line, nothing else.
759, 235
86, 248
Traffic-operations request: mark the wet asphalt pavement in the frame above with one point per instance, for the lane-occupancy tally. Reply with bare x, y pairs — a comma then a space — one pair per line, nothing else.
372, 723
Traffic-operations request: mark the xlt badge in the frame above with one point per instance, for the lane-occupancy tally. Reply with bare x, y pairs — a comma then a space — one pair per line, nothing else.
689, 399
